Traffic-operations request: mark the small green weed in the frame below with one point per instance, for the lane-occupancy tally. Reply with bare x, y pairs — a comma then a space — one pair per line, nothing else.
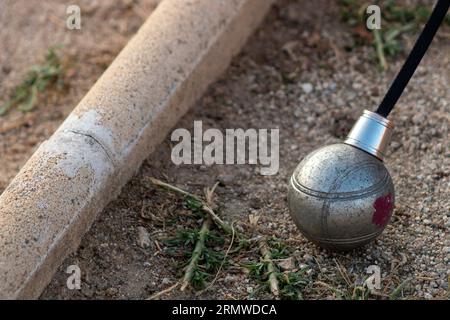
291, 283
396, 20
40, 77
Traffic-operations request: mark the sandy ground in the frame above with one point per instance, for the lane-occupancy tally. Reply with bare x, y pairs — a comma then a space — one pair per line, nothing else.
296, 74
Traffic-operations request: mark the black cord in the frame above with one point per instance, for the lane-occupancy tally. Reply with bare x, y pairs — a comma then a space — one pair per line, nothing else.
414, 58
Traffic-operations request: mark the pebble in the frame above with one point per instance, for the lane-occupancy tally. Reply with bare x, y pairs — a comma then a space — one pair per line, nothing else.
287, 264
143, 237
418, 119
229, 279
395, 145
308, 258
307, 87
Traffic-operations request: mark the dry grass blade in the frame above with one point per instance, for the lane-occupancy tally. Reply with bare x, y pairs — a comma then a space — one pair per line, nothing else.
343, 273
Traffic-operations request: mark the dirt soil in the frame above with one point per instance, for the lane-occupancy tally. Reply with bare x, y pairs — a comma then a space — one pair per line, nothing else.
296, 74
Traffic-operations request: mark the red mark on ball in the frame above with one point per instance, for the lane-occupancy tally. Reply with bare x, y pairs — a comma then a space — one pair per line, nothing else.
383, 209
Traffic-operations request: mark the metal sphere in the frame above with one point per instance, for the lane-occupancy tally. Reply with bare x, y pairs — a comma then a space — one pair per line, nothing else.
341, 197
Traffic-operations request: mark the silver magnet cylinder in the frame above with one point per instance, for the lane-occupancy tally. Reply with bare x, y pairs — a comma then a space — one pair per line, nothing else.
371, 133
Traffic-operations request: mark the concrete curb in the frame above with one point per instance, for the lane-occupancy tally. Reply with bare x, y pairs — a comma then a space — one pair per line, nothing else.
177, 53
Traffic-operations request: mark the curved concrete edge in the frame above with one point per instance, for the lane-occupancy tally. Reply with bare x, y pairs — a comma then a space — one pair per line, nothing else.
183, 47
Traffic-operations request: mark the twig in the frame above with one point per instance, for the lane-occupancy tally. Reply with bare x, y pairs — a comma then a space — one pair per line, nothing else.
163, 292
380, 49
273, 281
206, 207
160, 183
158, 246
199, 246
220, 223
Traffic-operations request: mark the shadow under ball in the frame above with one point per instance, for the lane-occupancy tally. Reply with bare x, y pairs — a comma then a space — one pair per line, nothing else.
341, 196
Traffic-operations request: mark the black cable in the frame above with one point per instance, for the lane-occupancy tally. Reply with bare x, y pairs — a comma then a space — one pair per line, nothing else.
414, 58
